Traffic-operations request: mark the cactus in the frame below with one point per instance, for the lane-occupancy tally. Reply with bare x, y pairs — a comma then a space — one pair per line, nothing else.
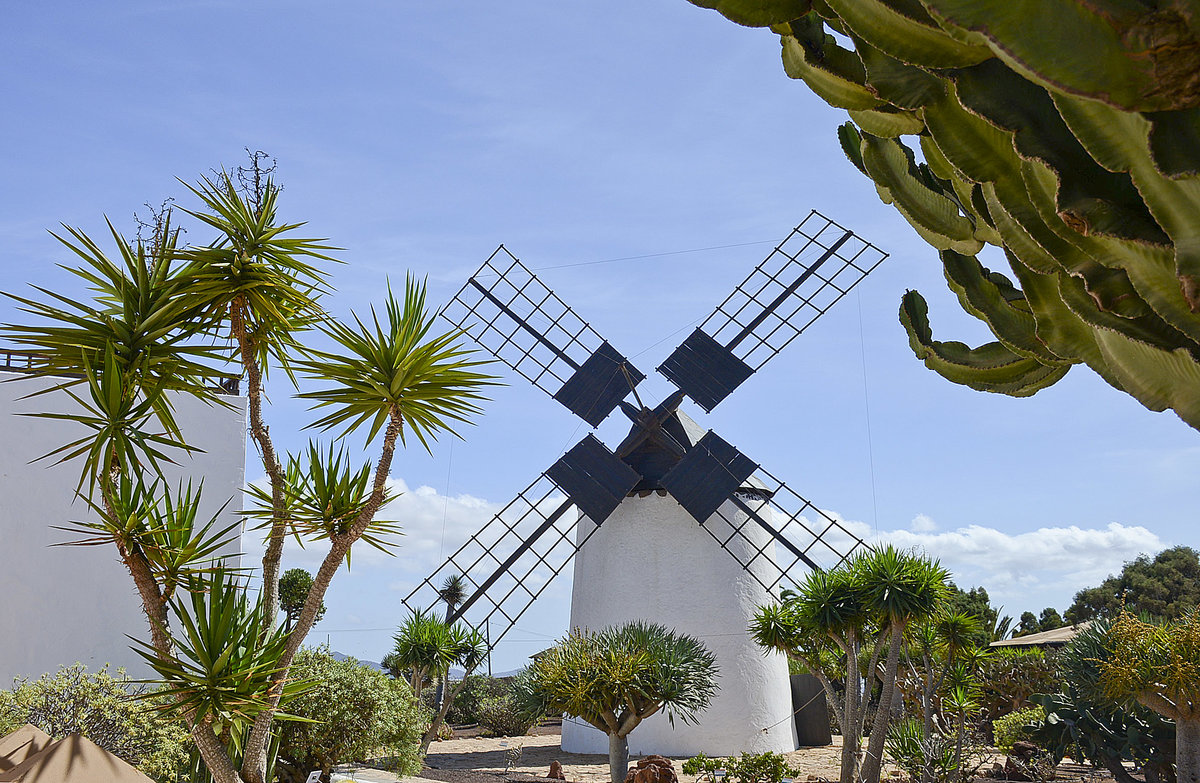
1065, 133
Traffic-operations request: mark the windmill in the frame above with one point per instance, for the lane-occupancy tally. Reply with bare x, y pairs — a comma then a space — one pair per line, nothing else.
674, 525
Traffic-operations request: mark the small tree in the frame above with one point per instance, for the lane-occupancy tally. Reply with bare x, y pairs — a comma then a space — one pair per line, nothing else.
294, 587
616, 678
859, 611
1158, 666
426, 649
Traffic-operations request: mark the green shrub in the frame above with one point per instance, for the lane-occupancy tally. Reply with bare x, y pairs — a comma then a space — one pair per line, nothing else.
503, 717
747, 768
466, 703
354, 713
110, 711
1015, 726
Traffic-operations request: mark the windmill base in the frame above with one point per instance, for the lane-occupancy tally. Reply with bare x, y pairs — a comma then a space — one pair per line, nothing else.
650, 561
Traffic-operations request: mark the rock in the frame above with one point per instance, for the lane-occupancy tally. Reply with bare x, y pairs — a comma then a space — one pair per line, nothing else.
1023, 750
556, 772
652, 769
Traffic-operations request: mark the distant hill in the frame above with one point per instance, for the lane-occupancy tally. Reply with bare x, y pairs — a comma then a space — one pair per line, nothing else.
455, 674
337, 656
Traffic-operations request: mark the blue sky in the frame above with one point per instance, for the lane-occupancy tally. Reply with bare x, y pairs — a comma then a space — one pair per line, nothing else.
420, 136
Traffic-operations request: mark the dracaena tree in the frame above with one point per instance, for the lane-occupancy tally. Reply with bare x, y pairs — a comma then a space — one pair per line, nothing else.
166, 320
856, 616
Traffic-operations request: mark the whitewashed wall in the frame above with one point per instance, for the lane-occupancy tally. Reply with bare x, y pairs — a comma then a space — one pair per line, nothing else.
650, 561
59, 605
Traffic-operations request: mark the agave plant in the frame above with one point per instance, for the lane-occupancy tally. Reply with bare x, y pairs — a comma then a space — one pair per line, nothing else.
1062, 134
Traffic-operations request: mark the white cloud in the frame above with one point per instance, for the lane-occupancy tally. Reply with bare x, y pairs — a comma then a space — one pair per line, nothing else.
922, 524
1031, 570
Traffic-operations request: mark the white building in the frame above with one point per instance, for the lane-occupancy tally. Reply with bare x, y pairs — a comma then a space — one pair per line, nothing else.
62, 604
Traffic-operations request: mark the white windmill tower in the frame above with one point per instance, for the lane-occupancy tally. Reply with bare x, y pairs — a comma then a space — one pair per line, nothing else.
631, 519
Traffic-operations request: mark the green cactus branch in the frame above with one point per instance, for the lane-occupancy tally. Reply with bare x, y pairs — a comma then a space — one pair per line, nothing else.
1066, 133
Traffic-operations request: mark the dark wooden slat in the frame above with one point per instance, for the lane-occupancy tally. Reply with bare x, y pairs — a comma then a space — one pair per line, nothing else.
599, 385
705, 370
707, 476
594, 478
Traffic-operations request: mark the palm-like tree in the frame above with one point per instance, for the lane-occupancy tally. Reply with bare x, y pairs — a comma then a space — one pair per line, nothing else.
859, 611
166, 320
452, 593
425, 650
616, 678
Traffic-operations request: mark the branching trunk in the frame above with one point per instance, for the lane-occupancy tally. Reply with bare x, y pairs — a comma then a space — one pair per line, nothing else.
254, 765
450, 695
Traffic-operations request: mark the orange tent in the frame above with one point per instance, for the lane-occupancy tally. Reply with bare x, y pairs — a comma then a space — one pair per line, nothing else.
21, 744
74, 759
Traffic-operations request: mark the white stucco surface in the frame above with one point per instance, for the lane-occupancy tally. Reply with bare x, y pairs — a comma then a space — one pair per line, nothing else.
650, 561
62, 604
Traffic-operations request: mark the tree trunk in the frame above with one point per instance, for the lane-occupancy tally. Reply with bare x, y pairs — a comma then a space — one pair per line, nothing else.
1187, 750
618, 757
873, 763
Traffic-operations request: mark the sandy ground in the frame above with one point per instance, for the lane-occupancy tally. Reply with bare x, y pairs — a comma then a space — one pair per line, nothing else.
475, 759
487, 755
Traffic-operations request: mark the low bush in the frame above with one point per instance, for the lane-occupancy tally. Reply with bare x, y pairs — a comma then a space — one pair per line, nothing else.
747, 768
111, 711
1016, 726
465, 708
503, 717
353, 713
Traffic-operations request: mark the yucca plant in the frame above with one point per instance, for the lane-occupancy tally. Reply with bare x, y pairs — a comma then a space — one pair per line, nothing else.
166, 320
1060, 133
426, 648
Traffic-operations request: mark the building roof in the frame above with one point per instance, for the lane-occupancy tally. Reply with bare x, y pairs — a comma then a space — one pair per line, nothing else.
19, 745
1055, 638
73, 759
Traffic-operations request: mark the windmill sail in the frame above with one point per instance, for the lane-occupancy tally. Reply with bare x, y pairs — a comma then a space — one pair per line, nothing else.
514, 557
805, 275
507, 310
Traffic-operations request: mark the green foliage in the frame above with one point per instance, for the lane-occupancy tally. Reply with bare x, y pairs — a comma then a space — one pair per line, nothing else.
1068, 145
225, 659
394, 367
352, 714
1010, 676
502, 716
922, 757
765, 767
426, 648
293, 591
855, 617
616, 677
1155, 665
111, 711
1083, 722
1165, 587
476, 688
975, 603
1019, 725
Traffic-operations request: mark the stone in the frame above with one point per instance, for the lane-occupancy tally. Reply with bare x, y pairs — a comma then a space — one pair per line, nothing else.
556, 771
652, 769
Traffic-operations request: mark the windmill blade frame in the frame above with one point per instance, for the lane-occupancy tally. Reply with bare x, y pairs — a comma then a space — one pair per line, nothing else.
806, 535
805, 275
507, 310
